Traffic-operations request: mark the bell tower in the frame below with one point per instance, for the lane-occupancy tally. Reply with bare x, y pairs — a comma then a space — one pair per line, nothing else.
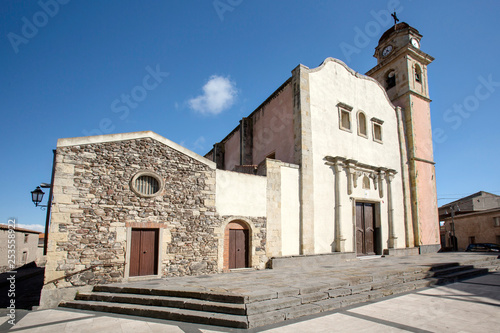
402, 70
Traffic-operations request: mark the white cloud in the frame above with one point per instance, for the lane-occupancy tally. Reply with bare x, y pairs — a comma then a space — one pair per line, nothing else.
199, 143
34, 227
219, 94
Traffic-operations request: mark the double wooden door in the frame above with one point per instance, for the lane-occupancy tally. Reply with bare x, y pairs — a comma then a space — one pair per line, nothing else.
365, 228
144, 252
238, 248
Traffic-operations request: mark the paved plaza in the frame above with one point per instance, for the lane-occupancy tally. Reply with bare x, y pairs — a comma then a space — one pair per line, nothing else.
468, 306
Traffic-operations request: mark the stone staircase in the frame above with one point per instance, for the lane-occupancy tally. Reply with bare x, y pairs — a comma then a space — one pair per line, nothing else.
269, 306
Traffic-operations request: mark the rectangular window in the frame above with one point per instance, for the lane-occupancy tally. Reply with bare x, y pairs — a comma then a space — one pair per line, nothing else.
345, 122
26, 238
472, 240
496, 221
377, 130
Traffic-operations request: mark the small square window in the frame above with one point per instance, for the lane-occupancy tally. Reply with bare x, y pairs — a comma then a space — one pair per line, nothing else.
345, 117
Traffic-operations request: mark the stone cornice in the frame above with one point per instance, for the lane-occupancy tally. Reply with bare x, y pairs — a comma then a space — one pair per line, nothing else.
331, 161
418, 54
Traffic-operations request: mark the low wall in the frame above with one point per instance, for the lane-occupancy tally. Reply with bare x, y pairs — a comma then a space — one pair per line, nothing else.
311, 260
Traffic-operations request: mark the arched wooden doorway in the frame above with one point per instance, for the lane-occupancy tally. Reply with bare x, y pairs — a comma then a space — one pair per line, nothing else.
237, 245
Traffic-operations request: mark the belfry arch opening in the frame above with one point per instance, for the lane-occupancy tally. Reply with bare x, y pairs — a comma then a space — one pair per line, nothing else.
418, 74
390, 79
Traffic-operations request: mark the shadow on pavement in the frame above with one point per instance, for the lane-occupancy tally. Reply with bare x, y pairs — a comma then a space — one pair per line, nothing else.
24, 286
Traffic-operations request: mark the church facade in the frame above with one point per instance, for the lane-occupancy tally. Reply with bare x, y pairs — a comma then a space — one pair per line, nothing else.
332, 162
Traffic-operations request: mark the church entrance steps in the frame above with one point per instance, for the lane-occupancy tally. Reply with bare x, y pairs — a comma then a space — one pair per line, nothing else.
258, 298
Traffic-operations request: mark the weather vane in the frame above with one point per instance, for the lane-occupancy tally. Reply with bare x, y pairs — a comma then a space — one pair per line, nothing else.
395, 17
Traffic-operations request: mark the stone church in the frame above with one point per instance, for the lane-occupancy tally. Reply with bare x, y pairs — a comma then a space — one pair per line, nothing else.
333, 162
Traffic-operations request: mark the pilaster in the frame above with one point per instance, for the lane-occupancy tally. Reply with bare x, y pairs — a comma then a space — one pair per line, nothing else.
246, 141
303, 155
219, 155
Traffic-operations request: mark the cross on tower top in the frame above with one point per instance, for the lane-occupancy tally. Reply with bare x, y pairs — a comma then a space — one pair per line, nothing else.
395, 17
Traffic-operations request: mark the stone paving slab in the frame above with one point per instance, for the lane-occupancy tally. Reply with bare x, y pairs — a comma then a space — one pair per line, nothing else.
268, 284
468, 306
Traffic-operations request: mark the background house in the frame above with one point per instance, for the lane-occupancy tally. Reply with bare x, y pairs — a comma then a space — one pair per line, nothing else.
25, 247
476, 220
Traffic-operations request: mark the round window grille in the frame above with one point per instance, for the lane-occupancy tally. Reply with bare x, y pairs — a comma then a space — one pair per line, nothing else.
146, 184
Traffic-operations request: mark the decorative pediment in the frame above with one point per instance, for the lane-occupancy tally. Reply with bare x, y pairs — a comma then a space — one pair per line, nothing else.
357, 171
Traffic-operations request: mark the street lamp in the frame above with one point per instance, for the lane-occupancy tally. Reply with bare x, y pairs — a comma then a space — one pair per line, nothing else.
37, 196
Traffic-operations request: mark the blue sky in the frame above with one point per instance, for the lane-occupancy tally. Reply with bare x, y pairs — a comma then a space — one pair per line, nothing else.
190, 70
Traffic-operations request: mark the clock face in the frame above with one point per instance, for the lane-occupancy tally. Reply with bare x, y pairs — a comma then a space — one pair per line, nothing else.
387, 50
415, 43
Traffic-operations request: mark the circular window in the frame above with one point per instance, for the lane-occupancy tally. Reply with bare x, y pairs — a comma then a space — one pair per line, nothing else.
146, 184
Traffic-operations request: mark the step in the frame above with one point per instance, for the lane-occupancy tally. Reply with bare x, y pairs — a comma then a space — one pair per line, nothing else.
185, 315
203, 295
462, 275
165, 301
492, 265
258, 307
450, 270
438, 267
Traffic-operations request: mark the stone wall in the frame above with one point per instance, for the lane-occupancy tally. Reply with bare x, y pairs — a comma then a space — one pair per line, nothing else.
93, 204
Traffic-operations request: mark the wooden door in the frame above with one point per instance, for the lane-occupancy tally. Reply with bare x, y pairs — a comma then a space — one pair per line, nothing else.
238, 248
360, 229
144, 252
365, 228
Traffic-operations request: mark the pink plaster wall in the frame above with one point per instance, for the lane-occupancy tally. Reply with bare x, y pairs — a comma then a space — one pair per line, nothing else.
232, 151
426, 178
422, 128
273, 128
428, 210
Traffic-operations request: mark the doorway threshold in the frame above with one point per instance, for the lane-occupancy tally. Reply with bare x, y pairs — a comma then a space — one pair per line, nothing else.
370, 257
244, 269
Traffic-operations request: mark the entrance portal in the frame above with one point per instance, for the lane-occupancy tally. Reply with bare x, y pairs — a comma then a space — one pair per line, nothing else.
144, 252
238, 241
365, 228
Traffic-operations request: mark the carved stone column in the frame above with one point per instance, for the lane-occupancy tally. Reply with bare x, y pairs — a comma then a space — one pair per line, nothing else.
338, 167
390, 211
381, 178
350, 166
